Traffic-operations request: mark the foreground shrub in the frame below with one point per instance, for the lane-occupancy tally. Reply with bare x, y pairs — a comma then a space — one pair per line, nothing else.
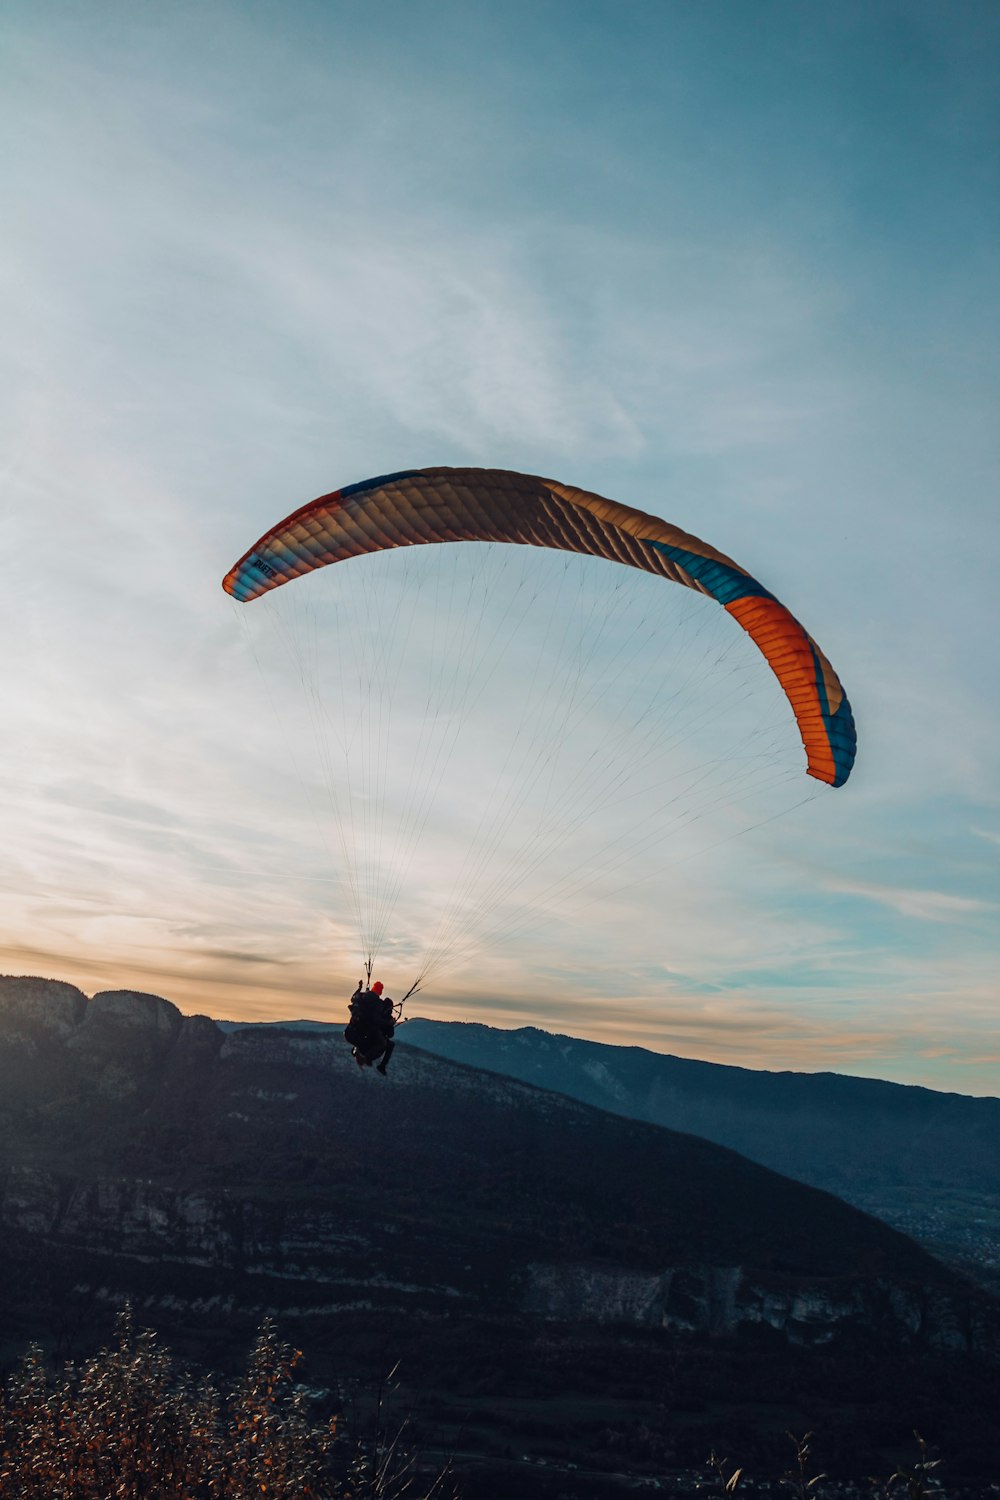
131, 1424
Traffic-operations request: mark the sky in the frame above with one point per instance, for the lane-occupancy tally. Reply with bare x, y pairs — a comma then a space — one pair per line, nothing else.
734, 264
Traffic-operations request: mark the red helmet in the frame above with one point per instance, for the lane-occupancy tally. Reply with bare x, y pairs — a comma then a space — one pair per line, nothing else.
378, 987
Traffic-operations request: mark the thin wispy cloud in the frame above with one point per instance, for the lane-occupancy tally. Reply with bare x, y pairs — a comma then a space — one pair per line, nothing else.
922, 906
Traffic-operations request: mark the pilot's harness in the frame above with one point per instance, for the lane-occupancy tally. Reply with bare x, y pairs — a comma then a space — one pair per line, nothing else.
397, 1005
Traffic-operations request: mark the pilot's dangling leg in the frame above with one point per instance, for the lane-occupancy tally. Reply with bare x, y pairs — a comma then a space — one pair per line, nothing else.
384, 1060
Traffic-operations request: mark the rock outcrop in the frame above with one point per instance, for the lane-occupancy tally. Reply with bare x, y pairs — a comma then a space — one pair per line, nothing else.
32, 1009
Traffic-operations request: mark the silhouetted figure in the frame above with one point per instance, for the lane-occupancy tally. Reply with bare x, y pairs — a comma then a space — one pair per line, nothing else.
370, 1029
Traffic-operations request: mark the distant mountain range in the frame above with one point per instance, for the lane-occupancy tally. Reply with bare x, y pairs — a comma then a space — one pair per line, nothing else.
926, 1162
444, 1214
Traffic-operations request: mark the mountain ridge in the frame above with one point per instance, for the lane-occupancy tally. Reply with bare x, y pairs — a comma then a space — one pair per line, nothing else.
925, 1161
205, 1109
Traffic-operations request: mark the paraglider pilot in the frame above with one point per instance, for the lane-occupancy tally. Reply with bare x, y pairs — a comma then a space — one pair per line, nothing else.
370, 1029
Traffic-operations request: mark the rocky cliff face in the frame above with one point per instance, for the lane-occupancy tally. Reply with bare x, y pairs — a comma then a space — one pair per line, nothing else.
727, 1300
147, 1153
290, 1260
34, 1008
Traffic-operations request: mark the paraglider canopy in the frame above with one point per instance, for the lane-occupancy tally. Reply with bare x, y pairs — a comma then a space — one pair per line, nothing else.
492, 743
421, 506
